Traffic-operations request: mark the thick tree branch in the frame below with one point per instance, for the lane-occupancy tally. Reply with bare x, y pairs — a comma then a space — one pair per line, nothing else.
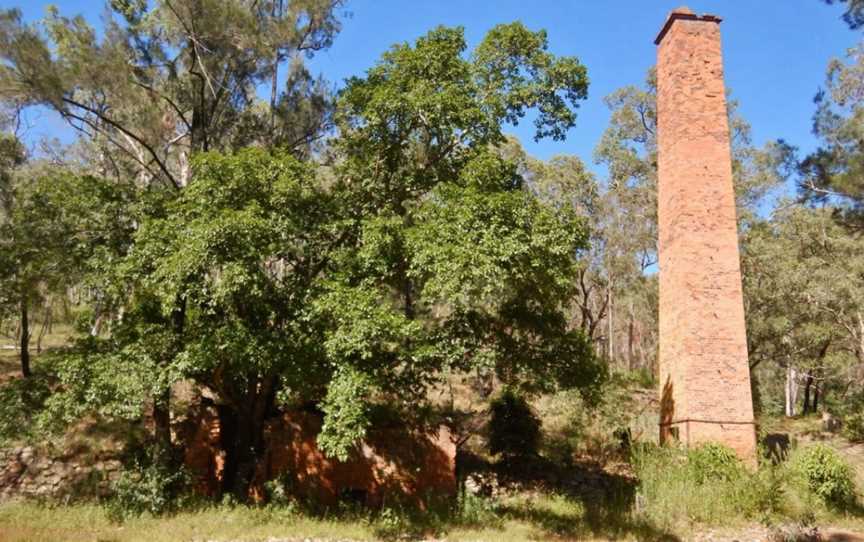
116, 125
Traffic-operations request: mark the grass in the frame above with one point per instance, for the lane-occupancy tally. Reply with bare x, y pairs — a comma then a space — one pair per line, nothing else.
672, 496
516, 519
20, 522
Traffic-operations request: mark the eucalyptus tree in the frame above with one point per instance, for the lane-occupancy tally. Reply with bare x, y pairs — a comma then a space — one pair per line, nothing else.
804, 296
833, 173
854, 14
170, 78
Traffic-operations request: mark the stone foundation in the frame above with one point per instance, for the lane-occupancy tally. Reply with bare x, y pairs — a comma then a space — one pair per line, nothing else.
29, 473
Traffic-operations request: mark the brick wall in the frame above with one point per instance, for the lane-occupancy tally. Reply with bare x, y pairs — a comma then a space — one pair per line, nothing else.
392, 465
705, 378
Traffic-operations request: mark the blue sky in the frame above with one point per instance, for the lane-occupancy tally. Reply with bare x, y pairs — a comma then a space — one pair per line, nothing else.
776, 51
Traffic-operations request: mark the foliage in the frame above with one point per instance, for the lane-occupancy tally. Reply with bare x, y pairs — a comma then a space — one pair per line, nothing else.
96, 379
346, 413
852, 416
145, 489
21, 401
826, 474
711, 462
853, 427
854, 14
167, 79
452, 265
602, 430
215, 290
802, 289
832, 173
514, 429
56, 229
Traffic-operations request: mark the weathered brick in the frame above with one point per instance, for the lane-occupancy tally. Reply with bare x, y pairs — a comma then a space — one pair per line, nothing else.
704, 373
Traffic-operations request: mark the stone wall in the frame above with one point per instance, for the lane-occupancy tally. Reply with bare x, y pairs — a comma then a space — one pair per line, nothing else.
32, 473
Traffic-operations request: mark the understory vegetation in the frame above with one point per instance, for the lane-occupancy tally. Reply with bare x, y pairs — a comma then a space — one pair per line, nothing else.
583, 480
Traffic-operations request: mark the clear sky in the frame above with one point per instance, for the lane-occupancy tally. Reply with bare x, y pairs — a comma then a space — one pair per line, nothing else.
776, 51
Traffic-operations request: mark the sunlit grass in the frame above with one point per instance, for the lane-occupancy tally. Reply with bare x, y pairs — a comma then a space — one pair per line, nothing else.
517, 519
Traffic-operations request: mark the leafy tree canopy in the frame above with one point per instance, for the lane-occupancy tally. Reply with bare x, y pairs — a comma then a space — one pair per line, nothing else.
418, 254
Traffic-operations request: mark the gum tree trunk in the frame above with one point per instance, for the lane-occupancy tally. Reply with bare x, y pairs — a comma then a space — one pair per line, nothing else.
25, 338
791, 390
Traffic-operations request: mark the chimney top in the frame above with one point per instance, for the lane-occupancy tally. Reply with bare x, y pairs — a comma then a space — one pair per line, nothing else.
686, 14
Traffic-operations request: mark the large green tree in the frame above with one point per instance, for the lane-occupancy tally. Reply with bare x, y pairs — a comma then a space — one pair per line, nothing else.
419, 253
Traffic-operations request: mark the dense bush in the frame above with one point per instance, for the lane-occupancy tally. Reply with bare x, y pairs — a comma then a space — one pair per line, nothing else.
146, 489
706, 485
21, 400
852, 413
711, 461
853, 427
514, 429
825, 474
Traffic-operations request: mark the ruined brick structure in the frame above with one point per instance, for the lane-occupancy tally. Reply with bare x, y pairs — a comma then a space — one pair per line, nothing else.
392, 465
704, 373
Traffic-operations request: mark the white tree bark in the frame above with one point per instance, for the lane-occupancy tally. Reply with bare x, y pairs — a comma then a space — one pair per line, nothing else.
791, 390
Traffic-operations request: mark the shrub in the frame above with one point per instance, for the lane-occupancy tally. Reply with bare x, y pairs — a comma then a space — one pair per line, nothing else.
826, 475
474, 510
710, 462
145, 489
21, 400
853, 427
514, 429
391, 524
706, 485
851, 411
766, 489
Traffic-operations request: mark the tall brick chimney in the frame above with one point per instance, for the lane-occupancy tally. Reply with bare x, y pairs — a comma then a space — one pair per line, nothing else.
704, 372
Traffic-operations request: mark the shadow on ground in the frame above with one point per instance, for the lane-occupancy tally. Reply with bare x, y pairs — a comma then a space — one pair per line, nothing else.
588, 500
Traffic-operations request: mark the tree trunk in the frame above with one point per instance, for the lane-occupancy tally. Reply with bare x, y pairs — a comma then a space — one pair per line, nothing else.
277, 13
816, 398
791, 390
611, 344
162, 401
243, 435
96, 328
25, 338
46, 326
631, 340
162, 422
808, 384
